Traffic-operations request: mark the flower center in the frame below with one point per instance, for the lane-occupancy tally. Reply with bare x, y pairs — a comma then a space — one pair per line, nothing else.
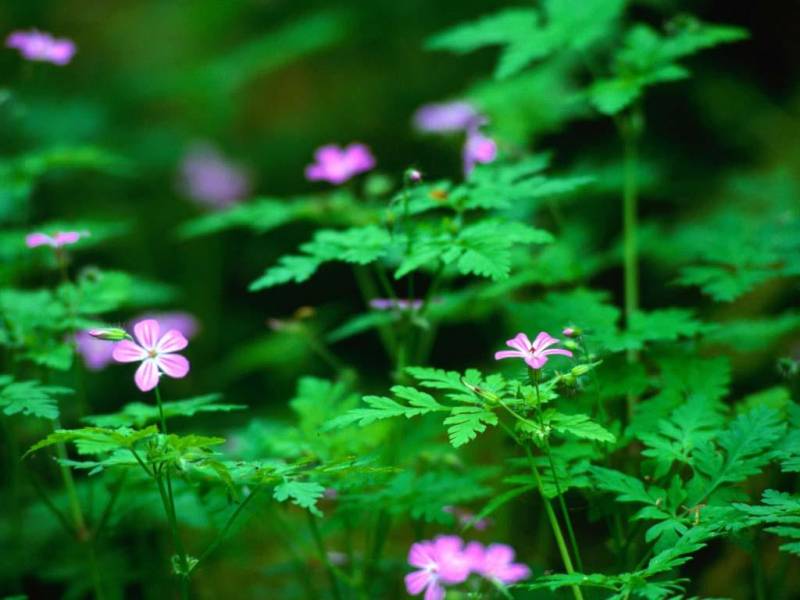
152, 353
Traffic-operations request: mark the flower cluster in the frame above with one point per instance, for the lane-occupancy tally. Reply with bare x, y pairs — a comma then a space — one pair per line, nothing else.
446, 560
42, 47
336, 165
450, 117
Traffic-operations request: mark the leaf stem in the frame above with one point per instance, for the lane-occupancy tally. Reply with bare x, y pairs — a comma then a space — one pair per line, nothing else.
323, 555
223, 532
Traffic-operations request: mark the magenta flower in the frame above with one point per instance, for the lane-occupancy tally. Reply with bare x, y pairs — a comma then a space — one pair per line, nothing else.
440, 562
446, 117
156, 353
61, 238
96, 346
336, 165
207, 177
535, 354
399, 304
496, 562
40, 46
478, 148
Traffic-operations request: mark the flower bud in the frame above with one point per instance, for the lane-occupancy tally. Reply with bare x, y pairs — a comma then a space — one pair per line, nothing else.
110, 334
413, 175
572, 331
579, 370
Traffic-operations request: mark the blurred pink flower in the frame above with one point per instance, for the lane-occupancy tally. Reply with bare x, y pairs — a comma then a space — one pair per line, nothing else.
41, 46
478, 148
96, 353
535, 354
466, 517
568, 331
156, 352
210, 179
446, 117
336, 165
400, 304
440, 562
61, 238
496, 562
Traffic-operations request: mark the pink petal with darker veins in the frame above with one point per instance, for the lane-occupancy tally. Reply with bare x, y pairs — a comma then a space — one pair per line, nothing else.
146, 376
543, 340
64, 238
127, 351
147, 333
434, 592
508, 354
172, 341
536, 361
174, 365
521, 342
560, 351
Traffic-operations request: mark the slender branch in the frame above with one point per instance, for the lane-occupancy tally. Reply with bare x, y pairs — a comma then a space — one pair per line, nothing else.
101, 523
223, 532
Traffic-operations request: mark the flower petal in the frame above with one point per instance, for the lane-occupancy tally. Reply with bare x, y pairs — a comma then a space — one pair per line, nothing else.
520, 342
127, 351
172, 341
536, 361
174, 365
557, 351
38, 239
146, 376
418, 581
434, 591
543, 340
147, 333
421, 555
509, 354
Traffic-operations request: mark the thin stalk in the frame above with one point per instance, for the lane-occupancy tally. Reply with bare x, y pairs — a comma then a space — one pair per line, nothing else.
98, 588
323, 555
169, 509
161, 412
564, 512
367, 288
62, 518
224, 531
107, 511
629, 130
72, 494
551, 516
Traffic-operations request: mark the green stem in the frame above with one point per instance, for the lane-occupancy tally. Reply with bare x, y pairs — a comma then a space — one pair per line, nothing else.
551, 516
224, 531
104, 517
161, 411
72, 494
630, 129
169, 508
98, 588
323, 555
563, 505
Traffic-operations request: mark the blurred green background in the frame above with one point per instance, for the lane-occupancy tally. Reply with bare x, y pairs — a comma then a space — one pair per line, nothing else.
268, 81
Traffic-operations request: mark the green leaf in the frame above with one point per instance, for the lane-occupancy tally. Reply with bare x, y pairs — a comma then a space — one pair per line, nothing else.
580, 426
30, 398
304, 494
466, 422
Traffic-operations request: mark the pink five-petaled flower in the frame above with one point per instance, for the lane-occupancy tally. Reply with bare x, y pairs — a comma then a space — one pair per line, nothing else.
535, 354
478, 148
41, 46
336, 165
61, 238
496, 562
440, 562
156, 353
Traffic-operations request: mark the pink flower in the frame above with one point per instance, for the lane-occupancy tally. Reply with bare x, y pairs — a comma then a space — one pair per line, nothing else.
96, 346
336, 165
496, 562
446, 117
212, 180
40, 46
440, 562
61, 238
156, 353
478, 148
535, 354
